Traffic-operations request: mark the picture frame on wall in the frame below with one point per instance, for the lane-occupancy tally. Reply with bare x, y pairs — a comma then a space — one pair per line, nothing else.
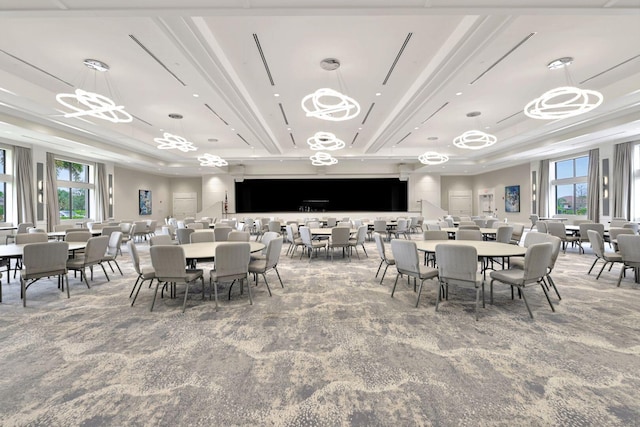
512, 198
144, 202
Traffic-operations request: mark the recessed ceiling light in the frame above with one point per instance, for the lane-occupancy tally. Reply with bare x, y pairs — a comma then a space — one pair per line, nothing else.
195, 95
212, 139
416, 128
378, 94
432, 138
233, 128
458, 93
276, 95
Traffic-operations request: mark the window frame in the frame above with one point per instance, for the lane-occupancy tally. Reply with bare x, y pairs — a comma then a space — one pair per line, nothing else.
7, 179
572, 181
88, 185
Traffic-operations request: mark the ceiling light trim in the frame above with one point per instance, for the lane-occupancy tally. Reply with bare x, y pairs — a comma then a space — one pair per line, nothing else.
323, 159
474, 140
325, 141
433, 158
563, 102
347, 108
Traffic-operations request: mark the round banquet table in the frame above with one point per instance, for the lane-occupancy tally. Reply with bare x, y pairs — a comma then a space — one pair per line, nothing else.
207, 250
485, 249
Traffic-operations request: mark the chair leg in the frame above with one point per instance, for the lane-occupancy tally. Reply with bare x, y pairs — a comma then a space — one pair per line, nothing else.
600, 272
526, 303
553, 285
383, 273
264, 276
155, 294
593, 265
440, 284
134, 286
186, 294
249, 288
379, 267
546, 294
624, 267
105, 273
394, 285
278, 274
419, 292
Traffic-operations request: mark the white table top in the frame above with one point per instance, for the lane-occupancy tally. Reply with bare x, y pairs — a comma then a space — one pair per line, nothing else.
208, 249
15, 251
62, 234
483, 230
484, 248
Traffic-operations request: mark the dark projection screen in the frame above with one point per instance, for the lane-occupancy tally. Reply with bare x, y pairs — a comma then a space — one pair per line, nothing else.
319, 195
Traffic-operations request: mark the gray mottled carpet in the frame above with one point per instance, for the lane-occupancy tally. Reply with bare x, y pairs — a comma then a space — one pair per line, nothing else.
330, 349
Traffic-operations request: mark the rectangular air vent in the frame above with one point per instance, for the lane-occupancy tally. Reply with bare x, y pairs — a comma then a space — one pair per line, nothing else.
155, 58
398, 55
503, 57
264, 60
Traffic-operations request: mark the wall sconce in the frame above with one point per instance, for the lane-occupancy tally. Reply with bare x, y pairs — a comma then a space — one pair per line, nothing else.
40, 194
110, 186
533, 192
605, 187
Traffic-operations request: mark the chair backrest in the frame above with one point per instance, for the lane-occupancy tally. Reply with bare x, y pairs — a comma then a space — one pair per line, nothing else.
239, 236
125, 227
632, 225
95, 226
405, 252
195, 225
275, 226
221, 233
534, 219
516, 234
434, 227
95, 249
340, 235
45, 257
504, 233
36, 230
535, 237
23, 227
468, 227
468, 235
141, 227
115, 240
536, 261
135, 257
480, 222
267, 237
332, 222
273, 251
24, 238
77, 235
542, 227
63, 227
380, 245
614, 232
618, 222
457, 262
492, 223
585, 226
629, 247
107, 230
290, 236
169, 262
182, 234
169, 230
361, 235
305, 235
380, 226
597, 242
435, 235
232, 259
160, 239
402, 225
202, 236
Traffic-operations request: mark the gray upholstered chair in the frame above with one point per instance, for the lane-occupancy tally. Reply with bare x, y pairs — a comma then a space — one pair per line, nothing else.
433, 235
402, 229
202, 236
361, 236
77, 235
170, 266
504, 233
614, 232
458, 264
266, 238
93, 255
144, 272
239, 236
632, 225
534, 220
559, 230
294, 241
184, 235
516, 234
629, 246
536, 237
597, 244
113, 248
339, 239
41, 260
24, 238
584, 236
380, 226
405, 252
462, 234
270, 262
195, 226
221, 233
311, 245
536, 263
385, 258
542, 227
160, 239
232, 264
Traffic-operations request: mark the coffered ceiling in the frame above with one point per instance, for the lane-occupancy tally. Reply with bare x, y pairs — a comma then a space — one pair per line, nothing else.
417, 68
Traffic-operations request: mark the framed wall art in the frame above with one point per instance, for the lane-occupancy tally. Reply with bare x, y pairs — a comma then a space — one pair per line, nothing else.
512, 198
144, 202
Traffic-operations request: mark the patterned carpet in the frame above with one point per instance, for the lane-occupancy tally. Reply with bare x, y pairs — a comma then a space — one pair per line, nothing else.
330, 349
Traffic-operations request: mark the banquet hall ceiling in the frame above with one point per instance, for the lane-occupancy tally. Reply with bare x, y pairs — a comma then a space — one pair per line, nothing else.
417, 68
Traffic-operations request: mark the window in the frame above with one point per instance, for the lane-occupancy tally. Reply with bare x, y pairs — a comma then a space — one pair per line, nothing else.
74, 189
570, 186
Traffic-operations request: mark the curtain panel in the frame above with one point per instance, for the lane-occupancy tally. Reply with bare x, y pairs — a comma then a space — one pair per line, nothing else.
543, 189
24, 185
593, 195
102, 193
53, 207
621, 179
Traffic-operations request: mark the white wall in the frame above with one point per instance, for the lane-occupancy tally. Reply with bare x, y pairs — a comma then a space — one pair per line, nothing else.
126, 184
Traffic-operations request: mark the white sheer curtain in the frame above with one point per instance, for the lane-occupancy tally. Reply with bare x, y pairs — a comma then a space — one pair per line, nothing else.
53, 209
24, 185
593, 195
543, 189
621, 179
102, 193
